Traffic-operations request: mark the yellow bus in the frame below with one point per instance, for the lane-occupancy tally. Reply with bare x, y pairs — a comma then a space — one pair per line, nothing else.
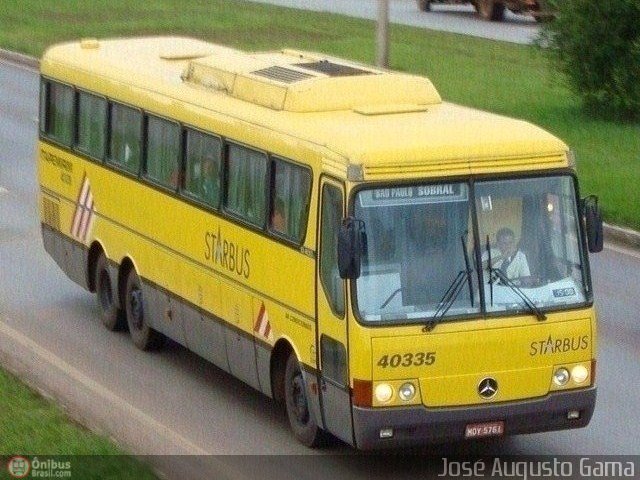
395, 269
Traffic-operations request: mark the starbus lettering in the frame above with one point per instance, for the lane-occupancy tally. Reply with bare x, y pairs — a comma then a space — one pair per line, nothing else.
226, 254
559, 345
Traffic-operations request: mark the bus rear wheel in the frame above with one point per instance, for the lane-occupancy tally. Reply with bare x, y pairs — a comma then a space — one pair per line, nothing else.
144, 337
492, 10
304, 426
112, 317
424, 5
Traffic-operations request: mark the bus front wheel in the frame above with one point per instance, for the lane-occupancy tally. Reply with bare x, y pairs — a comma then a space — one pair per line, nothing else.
492, 10
144, 337
424, 5
302, 423
112, 318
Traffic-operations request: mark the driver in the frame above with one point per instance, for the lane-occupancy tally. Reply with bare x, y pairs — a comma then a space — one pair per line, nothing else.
510, 261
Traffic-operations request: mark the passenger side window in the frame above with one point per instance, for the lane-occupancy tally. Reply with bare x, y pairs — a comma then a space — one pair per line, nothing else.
163, 152
92, 122
289, 200
202, 180
58, 112
246, 185
126, 131
330, 277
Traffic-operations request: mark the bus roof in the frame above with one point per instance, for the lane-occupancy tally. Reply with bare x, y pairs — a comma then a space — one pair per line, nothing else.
381, 122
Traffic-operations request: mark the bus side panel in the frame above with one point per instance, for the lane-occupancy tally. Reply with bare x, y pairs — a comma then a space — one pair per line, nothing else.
57, 212
240, 350
263, 367
205, 335
163, 313
70, 257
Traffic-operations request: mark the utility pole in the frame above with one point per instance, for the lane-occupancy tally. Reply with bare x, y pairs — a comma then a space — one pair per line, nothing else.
382, 34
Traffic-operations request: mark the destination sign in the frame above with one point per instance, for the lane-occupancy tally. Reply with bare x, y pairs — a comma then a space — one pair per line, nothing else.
414, 195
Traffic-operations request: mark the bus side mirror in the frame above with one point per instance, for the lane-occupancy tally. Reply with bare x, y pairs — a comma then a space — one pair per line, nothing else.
350, 247
593, 222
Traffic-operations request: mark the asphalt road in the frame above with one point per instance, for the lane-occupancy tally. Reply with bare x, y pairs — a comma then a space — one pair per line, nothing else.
448, 18
174, 402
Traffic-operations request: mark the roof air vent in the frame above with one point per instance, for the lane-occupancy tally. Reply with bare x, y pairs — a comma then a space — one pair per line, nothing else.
282, 74
333, 69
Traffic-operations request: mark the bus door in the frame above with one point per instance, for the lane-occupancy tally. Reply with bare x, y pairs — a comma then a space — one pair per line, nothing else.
331, 339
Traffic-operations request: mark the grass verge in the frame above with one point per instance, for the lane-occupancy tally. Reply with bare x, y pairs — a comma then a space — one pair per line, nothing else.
509, 79
31, 426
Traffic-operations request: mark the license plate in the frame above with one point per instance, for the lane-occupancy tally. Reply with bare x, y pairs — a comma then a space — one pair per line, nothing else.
487, 429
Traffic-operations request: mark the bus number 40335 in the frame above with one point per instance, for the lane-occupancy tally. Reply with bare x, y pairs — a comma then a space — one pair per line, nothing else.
407, 360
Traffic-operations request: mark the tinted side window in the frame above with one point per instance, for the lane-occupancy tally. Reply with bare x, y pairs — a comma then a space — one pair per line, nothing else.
125, 143
58, 112
290, 200
246, 192
92, 122
163, 152
203, 168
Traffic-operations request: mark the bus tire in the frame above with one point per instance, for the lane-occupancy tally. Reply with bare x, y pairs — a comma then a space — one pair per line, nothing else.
144, 337
492, 10
304, 426
424, 5
112, 317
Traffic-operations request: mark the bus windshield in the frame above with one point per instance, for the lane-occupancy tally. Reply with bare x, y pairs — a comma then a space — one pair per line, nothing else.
421, 261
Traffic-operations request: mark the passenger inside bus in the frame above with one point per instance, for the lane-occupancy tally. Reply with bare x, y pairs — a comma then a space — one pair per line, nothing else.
210, 180
278, 219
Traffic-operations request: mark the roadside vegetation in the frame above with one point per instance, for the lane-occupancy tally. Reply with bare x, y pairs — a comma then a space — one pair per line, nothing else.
605, 75
31, 426
509, 79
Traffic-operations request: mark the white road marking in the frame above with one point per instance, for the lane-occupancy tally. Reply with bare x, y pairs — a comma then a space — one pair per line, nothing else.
3, 190
110, 398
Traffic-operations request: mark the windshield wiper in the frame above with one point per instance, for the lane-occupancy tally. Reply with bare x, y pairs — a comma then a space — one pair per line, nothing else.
532, 306
509, 283
489, 263
391, 297
467, 265
449, 297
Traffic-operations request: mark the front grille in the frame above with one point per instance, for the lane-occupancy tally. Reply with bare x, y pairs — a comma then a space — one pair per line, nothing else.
51, 213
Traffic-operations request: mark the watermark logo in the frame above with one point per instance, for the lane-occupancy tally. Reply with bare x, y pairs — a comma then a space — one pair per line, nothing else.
21, 467
18, 467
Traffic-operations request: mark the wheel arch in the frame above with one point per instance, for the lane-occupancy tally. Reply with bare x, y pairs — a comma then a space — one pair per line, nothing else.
279, 355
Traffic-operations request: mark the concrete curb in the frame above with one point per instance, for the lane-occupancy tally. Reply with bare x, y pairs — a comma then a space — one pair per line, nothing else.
20, 59
612, 233
622, 236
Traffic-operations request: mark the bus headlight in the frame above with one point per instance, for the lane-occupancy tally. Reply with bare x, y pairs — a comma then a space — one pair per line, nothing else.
579, 373
383, 392
407, 391
561, 376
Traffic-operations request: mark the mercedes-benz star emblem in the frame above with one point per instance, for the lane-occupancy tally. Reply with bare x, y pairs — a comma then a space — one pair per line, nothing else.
487, 387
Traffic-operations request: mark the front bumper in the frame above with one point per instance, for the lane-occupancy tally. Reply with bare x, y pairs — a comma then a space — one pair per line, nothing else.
414, 426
